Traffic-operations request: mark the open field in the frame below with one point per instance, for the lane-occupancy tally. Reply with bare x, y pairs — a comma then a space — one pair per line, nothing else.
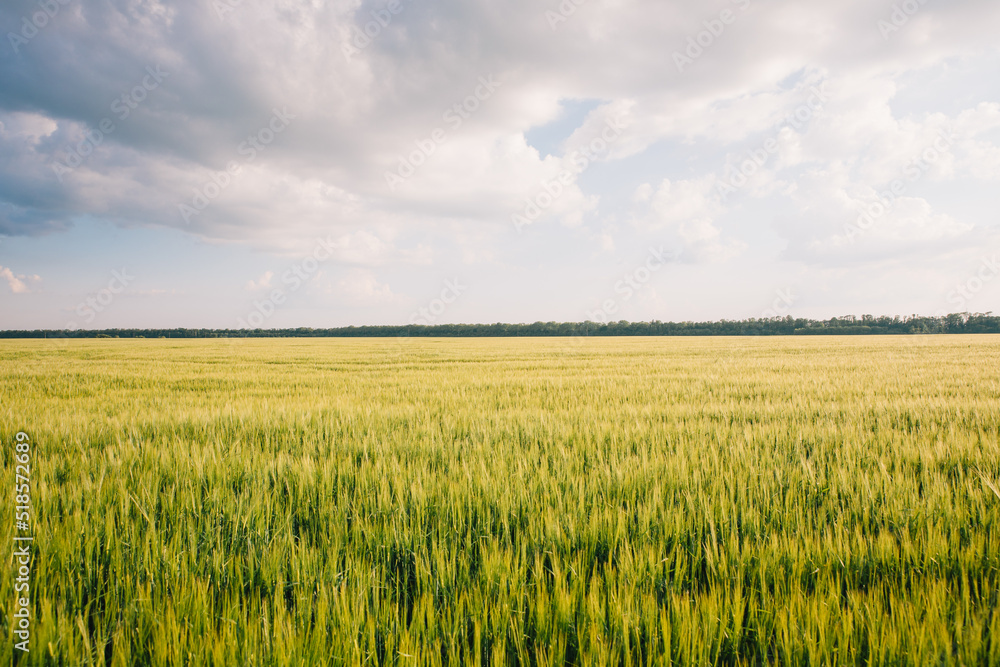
545, 501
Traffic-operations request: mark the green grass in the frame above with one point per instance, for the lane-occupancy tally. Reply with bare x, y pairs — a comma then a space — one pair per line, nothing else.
615, 501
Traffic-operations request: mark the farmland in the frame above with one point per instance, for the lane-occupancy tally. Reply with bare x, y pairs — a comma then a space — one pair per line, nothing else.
520, 501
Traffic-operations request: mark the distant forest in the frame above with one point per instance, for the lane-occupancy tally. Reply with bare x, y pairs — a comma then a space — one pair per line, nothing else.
963, 323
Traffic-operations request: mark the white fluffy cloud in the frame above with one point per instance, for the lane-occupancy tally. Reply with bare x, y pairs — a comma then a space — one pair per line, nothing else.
18, 284
361, 286
687, 210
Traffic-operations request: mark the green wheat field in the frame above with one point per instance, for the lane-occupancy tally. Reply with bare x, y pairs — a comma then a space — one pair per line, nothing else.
821, 501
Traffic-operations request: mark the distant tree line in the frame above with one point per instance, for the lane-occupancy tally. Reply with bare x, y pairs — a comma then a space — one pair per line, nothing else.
960, 323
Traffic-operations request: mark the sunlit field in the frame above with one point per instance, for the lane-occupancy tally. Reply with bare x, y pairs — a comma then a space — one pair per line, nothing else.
643, 501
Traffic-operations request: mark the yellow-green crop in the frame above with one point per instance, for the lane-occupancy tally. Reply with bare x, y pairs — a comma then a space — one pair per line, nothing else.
537, 502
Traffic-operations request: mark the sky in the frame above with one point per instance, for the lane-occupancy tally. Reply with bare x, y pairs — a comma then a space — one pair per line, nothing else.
262, 163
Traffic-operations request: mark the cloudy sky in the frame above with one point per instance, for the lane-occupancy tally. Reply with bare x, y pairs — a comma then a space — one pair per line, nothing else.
277, 163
